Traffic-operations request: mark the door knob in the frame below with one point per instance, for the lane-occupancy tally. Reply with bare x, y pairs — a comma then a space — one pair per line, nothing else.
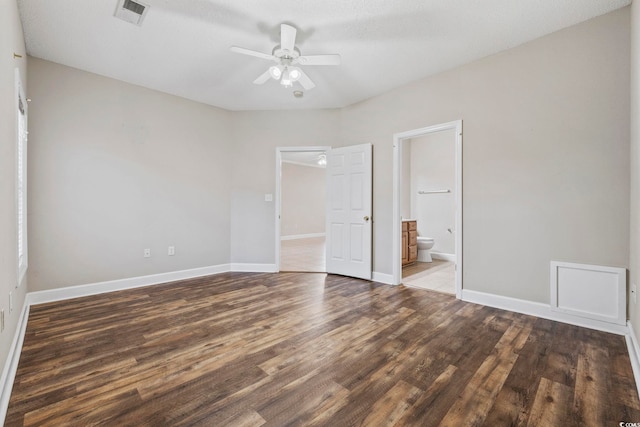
366, 218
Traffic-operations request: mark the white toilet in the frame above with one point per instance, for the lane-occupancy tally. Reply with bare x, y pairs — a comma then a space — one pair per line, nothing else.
424, 247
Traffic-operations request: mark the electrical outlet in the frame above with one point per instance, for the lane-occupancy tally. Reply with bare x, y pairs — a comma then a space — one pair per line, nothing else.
147, 253
634, 292
171, 251
10, 302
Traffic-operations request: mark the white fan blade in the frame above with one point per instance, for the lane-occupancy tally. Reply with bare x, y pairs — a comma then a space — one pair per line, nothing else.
320, 60
305, 81
262, 78
250, 52
287, 37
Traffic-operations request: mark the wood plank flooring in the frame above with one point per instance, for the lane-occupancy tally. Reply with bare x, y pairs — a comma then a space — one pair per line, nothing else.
242, 349
300, 255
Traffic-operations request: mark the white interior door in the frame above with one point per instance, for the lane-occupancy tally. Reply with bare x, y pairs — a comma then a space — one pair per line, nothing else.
349, 201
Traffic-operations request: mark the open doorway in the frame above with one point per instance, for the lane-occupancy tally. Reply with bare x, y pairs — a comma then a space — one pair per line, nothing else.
300, 198
428, 208
428, 211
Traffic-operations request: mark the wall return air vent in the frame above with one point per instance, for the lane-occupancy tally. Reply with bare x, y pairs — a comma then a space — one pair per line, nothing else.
131, 11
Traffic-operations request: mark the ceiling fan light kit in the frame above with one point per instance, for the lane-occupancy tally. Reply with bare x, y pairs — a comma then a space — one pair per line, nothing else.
286, 79
285, 74
275, 72
287, 56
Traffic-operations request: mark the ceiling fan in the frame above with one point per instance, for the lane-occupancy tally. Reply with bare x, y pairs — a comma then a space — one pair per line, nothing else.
287, 57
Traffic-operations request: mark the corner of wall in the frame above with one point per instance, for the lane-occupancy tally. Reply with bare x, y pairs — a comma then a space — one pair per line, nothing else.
634, 196
12, 55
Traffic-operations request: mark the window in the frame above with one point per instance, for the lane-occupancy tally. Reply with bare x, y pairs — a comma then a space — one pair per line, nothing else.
21, 178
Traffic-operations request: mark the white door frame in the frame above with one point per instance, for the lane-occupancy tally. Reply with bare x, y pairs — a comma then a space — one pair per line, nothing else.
398, 138
278, 200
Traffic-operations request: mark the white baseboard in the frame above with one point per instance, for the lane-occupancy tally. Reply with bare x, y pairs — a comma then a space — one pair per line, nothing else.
634, 353
254, 268
387, 279
302, 236
59, 294
540, 310
69, 292
444, 257
11, 364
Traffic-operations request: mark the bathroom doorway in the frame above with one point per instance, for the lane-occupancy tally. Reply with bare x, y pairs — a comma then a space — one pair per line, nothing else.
428, 208
301, 188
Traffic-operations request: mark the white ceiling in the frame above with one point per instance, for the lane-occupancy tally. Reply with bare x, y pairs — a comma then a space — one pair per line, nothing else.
182, 47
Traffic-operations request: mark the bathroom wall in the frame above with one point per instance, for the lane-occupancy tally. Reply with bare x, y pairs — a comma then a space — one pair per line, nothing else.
303, 195
405, 201
432, 167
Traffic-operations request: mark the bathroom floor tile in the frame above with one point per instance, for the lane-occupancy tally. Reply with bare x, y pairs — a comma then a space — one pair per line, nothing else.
437, 276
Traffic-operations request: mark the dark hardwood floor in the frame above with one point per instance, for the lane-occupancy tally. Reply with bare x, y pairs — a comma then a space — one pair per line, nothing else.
240, 349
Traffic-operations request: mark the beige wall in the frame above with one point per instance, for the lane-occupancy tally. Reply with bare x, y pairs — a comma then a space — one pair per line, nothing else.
634, 253
546, 146
11, 41
116, 168
302, 200
256, 134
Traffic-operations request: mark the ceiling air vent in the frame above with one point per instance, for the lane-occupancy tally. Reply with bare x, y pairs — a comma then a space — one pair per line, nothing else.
131, 11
